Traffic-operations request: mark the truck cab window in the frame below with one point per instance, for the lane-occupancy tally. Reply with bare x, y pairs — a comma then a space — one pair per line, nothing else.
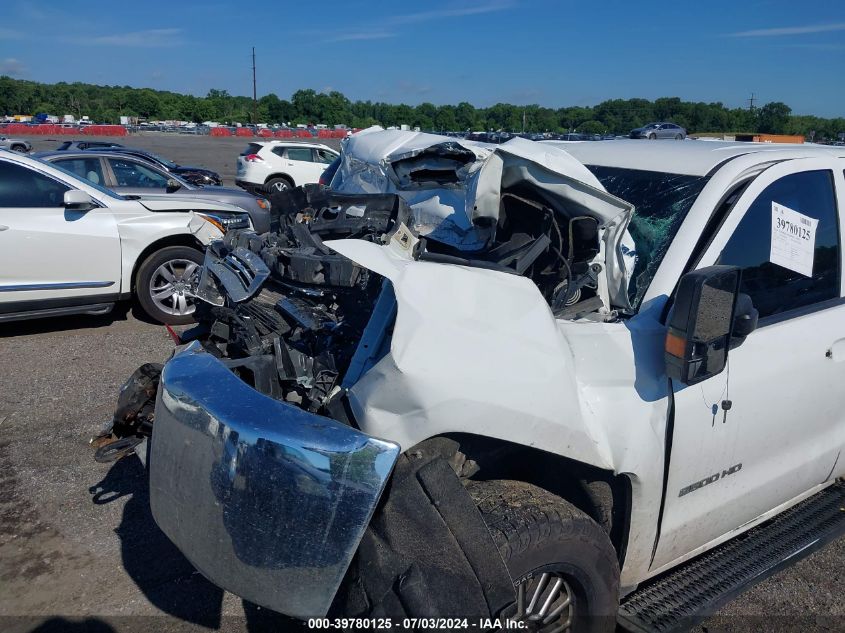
774, 288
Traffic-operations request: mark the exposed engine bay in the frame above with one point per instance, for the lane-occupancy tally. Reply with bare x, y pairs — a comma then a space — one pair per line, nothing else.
286, 313
289, 315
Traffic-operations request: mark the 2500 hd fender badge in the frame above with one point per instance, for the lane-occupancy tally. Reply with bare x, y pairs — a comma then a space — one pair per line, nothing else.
709, 480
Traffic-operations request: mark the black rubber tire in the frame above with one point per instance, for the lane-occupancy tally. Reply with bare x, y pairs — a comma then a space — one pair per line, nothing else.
19, 148
652, 136
679, 137
143, 278
537, 531
270, 185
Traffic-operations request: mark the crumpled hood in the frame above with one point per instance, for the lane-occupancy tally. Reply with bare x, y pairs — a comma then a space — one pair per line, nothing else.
454, 188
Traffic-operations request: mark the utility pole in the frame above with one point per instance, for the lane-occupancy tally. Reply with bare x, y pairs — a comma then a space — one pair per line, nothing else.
751, 103
523, 120
254, 93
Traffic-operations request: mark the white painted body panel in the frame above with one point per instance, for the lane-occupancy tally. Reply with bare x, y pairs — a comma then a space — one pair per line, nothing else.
786, 425
137, 232
479, 352
100, 245
53, 246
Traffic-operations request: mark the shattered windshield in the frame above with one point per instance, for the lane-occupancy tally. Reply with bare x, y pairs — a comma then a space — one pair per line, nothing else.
662, 201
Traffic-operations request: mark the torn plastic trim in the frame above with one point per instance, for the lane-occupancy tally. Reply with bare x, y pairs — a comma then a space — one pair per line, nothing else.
240, 272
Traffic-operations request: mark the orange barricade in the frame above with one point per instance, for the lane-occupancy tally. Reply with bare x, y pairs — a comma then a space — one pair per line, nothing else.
242, 131
104, 130
49, 129
220, 131
265, 133
283, 134
303, 134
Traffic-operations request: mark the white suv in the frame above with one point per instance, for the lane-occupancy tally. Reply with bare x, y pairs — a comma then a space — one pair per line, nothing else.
68, 246
280, 165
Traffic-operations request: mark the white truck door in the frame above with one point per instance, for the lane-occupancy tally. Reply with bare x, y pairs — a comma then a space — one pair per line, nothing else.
51, 256
780, 430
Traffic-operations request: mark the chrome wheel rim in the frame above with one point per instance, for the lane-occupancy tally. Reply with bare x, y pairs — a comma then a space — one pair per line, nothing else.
280, 185
545, 603
170, 286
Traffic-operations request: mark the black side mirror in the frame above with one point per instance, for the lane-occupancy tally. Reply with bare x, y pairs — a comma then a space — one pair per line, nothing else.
745, 320
701, 323
173, 185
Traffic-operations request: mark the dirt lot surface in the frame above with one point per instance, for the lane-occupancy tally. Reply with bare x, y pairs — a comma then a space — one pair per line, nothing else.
79, 550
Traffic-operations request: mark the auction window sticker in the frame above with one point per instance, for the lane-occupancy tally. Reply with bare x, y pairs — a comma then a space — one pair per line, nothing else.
793, 239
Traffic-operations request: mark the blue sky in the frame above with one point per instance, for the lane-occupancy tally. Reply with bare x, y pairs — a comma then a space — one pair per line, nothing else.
551, 52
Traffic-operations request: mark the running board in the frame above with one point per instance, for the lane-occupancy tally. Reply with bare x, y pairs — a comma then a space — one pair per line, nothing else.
680, 598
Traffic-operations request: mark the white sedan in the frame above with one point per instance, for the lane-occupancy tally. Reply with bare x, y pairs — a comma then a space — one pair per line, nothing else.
68, 246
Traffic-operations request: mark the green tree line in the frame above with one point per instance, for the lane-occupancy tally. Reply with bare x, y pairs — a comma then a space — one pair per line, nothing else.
107, 103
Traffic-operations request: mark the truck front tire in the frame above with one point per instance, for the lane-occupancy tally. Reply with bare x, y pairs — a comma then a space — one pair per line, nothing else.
563, 564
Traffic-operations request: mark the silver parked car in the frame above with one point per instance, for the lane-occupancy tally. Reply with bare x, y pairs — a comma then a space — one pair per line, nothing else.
15, 144
660, 130
130, 175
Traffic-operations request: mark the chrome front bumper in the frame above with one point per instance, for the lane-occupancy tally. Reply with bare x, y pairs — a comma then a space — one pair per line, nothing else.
266, 500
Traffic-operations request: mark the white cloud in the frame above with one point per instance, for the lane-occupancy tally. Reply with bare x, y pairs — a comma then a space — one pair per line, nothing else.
12, 67
439, 14
791, 30
388, 27
152, 38
352, 36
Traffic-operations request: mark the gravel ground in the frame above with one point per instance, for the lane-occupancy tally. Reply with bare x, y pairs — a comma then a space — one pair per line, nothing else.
79, 550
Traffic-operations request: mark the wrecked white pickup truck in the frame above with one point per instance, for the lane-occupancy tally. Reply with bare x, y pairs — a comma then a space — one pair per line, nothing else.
477, 381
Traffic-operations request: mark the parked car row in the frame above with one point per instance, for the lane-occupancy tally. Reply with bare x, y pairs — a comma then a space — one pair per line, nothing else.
69, 245
129, 175
191, 173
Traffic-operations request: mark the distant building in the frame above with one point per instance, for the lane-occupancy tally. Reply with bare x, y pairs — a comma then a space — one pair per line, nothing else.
750, 137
